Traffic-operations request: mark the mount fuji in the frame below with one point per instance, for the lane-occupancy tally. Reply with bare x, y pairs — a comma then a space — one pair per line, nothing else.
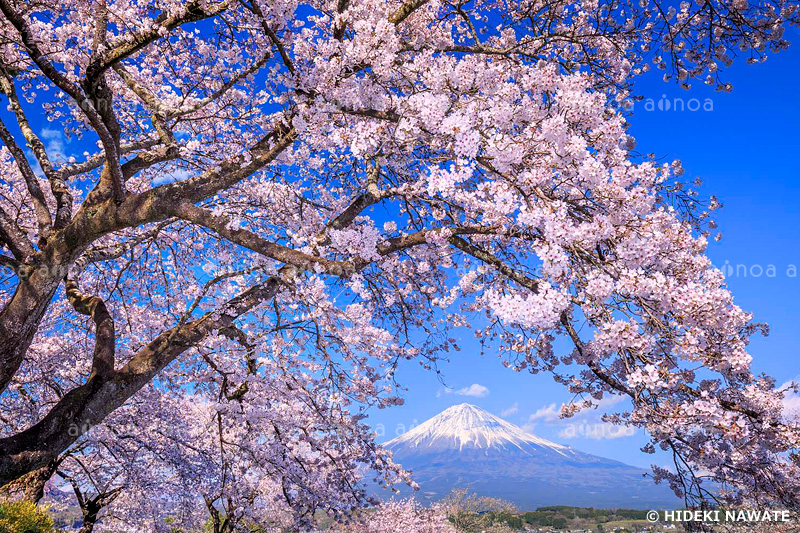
465, 446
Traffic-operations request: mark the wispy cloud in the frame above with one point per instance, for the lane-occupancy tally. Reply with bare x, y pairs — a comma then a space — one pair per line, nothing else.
587, 424
791, 399
548, 413
476, 390
54, 143
511, 410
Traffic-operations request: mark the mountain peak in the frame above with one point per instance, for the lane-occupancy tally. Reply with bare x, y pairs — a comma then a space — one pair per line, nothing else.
466, 426
464, 407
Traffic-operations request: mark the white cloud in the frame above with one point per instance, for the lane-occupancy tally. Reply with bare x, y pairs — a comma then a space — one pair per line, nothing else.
609, 400
587, 424
548, 413
511, 410
791, 399
476, 390
53, 143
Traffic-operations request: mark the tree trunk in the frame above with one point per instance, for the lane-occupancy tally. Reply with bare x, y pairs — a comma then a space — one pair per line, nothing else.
19, 321
30, 487
89, 520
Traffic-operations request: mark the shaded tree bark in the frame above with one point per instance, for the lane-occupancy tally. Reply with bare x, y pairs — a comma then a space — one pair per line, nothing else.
30, 487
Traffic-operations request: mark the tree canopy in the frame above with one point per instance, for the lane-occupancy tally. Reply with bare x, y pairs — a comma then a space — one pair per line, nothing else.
281, 201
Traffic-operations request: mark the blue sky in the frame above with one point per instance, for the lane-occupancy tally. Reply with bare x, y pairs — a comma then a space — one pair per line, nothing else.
745, 148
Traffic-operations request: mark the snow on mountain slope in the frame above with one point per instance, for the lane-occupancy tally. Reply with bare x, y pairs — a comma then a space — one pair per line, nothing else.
467, 426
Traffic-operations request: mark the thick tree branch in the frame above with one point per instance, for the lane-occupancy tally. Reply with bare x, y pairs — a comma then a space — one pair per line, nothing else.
20, 317
404, 11
30, 487
221, 225
8, 262
155, 204
104, 345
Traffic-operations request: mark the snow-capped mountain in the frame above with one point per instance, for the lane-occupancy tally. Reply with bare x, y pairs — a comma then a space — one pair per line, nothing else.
466, 426
466, 446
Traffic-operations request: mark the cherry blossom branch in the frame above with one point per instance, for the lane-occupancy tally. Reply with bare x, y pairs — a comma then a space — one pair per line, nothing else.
57, 181
88, 404
18, 320
371, 196
107, 253
130, 44
37, 147
154, 204
104, 126
90, 507
225, 175
97, 160
341, 7
100, 395
489, 259
287, 61
150, 101
222, 89
147, 158
37, 196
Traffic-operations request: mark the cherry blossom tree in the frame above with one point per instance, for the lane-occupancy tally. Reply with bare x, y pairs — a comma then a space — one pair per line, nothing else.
279, 202
471, 512
205, 462
400, 515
